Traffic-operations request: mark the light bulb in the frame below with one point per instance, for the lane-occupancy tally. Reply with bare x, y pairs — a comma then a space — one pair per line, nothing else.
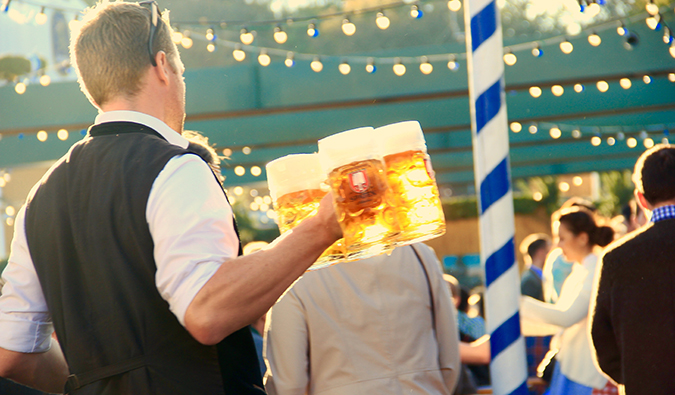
667, 38
625, 83
176, 36
594, 39
246, 37
239, 170
621, 30
62, 134
290, 61
256, 171
631, 142
370, 66
602, 86
578, 88
312, 31
42, 135
566, 47
75, 23
452, 64
210, 47
610, 141
264, 59
653, 21
557, 90
20, 88
652, 8
45, 80
426, 67
382, 21
672, 49
537, 52
535, 91
532, 129
555, 133
454, 5
399, 68
348, 28
415, 12
41, 18
238, 54
344, 68
516, 127
280, 36
210, 35
648, 142
316, 65
186, 42
576, 133
646, 79
595, 140
510, 59
671, 77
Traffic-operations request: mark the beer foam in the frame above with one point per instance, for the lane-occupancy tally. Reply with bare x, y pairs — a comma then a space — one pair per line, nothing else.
346, 147
401, 136
292, 173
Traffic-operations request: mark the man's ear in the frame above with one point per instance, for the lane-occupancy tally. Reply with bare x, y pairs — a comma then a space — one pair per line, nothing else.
642, 201
163, 69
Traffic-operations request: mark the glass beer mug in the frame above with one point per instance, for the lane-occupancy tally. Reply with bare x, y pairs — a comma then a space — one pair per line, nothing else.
295, 182
357, 177
411, 178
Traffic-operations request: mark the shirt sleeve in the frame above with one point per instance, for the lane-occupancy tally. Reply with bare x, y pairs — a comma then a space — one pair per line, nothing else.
24, 317
571, 307
286, 348
192, 228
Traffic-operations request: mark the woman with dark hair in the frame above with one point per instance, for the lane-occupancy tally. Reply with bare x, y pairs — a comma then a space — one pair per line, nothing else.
581, 240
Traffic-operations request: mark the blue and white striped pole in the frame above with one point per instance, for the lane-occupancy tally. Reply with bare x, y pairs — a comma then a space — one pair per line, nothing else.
508, 368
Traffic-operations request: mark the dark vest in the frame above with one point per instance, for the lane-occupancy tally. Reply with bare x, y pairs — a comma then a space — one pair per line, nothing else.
91, 246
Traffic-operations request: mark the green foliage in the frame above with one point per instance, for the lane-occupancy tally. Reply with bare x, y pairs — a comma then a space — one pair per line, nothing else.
248, 231
616, 191
12, 67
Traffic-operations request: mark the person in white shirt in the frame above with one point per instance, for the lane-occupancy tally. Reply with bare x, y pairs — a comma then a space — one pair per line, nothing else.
190, 275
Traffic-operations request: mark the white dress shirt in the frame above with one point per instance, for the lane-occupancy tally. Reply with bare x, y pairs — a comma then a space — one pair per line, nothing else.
191, 226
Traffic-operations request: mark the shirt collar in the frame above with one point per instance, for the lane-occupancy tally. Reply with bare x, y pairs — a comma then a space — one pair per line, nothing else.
663, 212
144, 119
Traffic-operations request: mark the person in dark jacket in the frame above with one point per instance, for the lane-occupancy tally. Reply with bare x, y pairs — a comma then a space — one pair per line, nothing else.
632, 304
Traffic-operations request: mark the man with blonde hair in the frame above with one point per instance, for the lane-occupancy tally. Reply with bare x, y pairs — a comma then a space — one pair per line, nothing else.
127, 247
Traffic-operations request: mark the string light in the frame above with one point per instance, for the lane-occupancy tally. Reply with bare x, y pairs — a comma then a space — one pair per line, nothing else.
41, 18
238, 54
312, 31
647, 79
239, 170
370, 66
578, 88
210, 35
672, 49
264, 58
290, 60
42, 135
280, 36
509, 58
344, 68
631, 142
625, 83
20, 88
533, 129
654, 22
537, 51
348, 28
316, 65
611, 141
415, 12
621, 30
652, 8
452, 63
176, 36
246, 37
602, 86
62, 134
557, 90
256, 171
671, 77
399, 68
576, 133
211, 47
382, 21
5, 5
535, 91
75, 23
648, 142
45, 80
594, 39
516, 127
246, 150
426, 67
596, 141
566, 47
186, 42
555, 132
667, 37
454, 5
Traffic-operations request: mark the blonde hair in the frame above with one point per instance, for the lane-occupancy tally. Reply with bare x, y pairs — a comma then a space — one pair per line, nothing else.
110, 49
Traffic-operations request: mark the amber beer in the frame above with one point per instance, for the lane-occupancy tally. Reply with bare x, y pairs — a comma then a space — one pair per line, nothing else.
357, 178
411, 178
295, 187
